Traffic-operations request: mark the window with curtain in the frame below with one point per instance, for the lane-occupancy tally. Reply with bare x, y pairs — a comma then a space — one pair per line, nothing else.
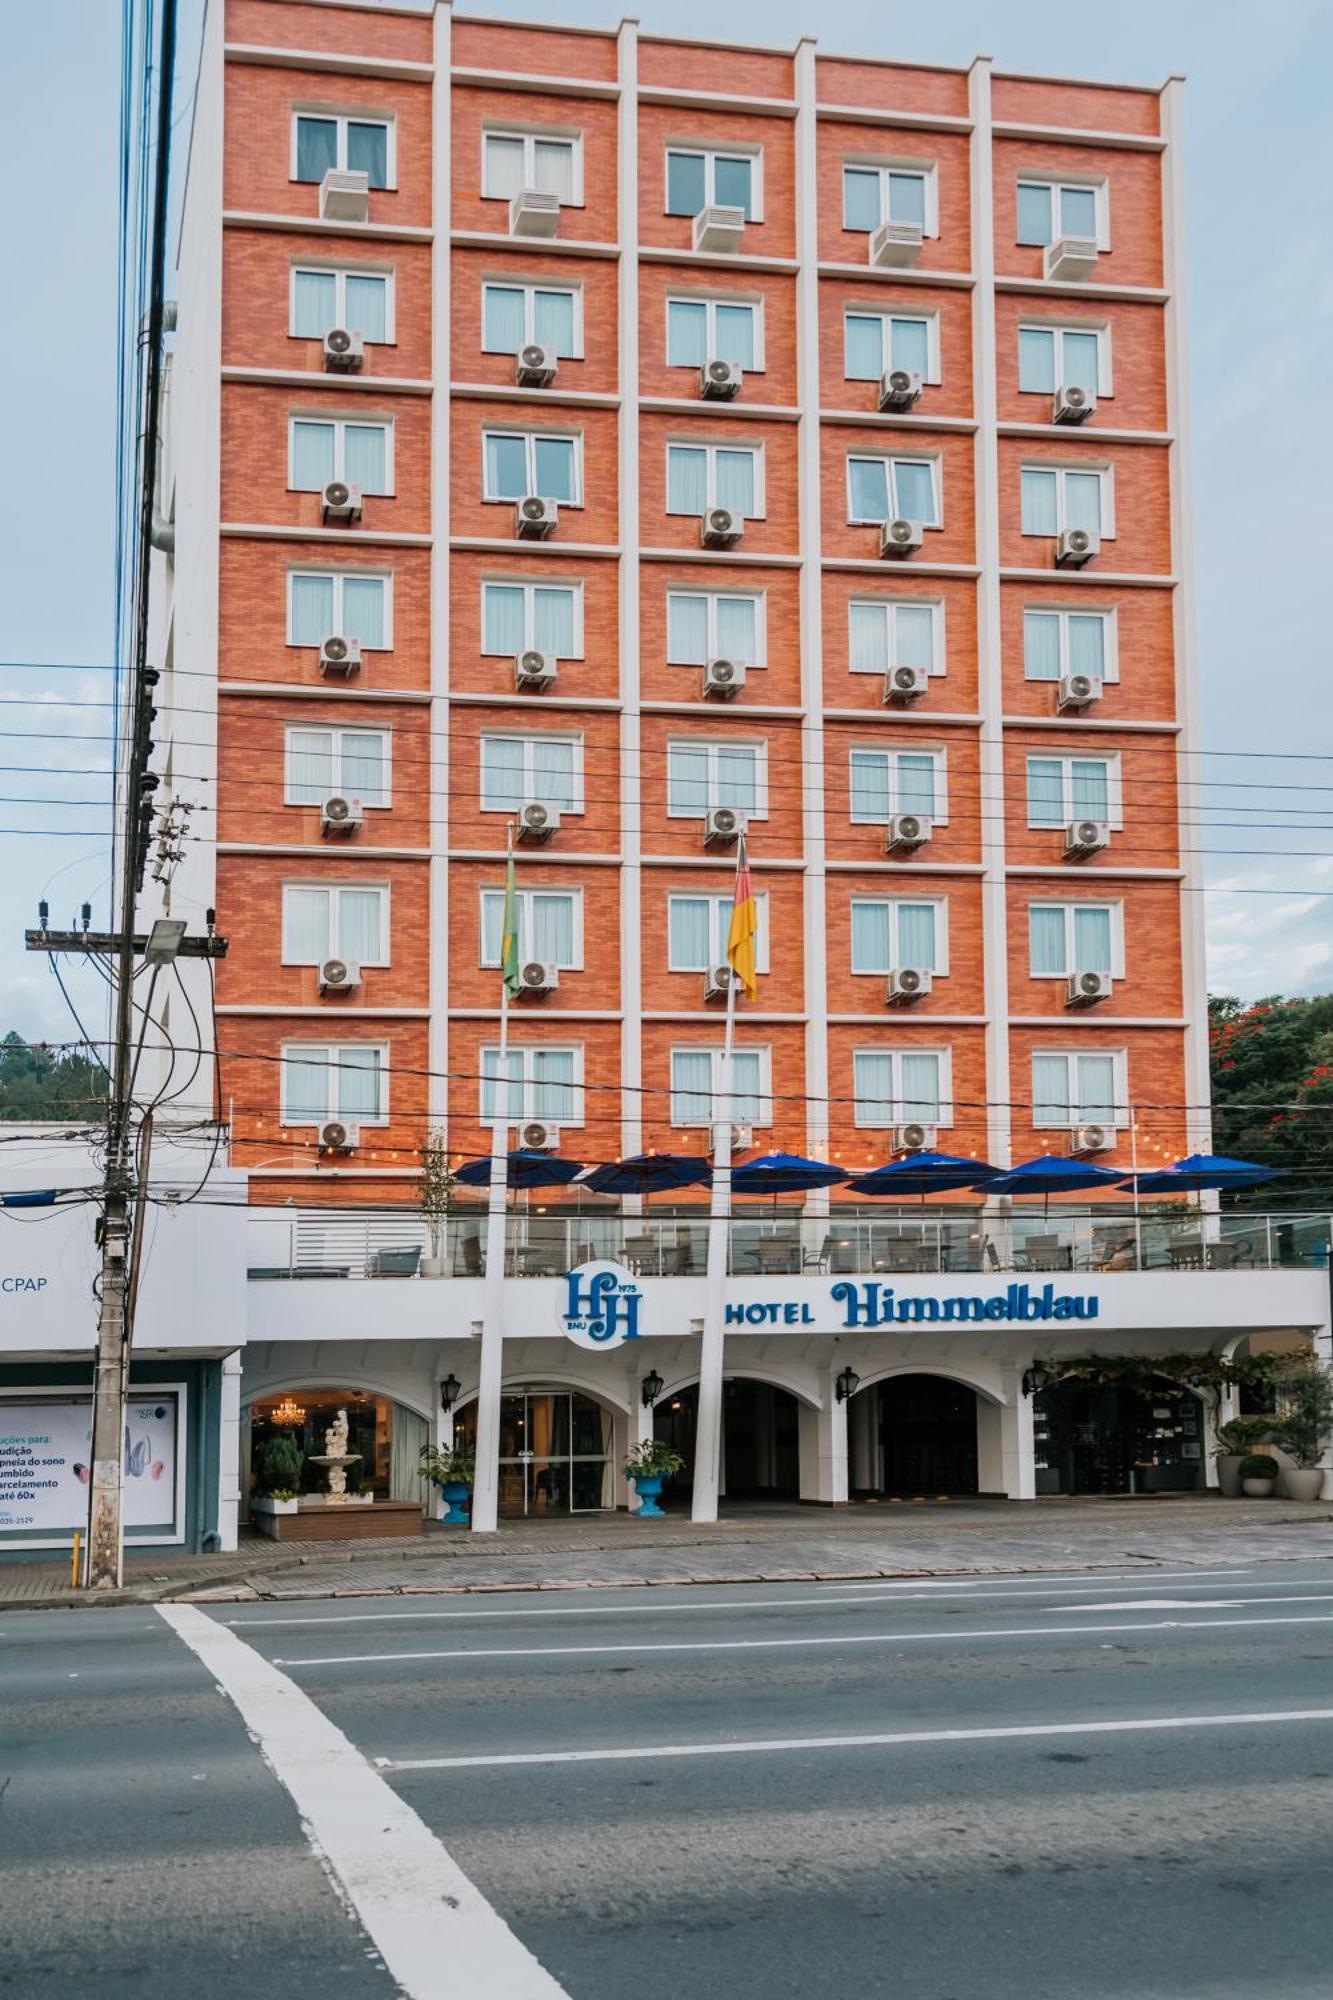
1050, 209
890, 632
697, 928
883, 489
324, 140
885, 782
322, 299
700, 330
1073, 1089
321, 603
707, 625
541, 1083
709, 475
324, 450
314, 303
697, 1083
1051, 357
875, 342
1070, 937
871, 195
1067, 642
897, 1086
521, 462
1065, 788
544, 615
1055, 498
350, 761
696, 180
517, 768
334, 1080
549, 926
702, 775
512, 161
514, 315
888, 933
337, 921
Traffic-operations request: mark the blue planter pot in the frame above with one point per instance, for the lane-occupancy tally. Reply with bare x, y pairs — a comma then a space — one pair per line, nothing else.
648, 1486
455, 1496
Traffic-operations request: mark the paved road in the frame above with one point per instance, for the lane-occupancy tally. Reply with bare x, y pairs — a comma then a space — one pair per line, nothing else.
1114, 1786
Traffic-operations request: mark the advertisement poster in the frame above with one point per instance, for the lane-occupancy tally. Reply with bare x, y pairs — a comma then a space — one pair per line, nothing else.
45, 1464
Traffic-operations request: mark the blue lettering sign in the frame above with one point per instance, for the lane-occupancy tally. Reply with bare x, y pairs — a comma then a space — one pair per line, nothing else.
601, 1306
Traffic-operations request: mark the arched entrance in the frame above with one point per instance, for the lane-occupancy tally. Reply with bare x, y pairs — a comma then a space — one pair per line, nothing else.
760, 1439
1111, 1437
926, 1429
556, 1451
385, 1437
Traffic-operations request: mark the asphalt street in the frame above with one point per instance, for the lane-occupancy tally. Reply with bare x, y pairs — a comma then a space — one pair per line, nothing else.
1112, 1786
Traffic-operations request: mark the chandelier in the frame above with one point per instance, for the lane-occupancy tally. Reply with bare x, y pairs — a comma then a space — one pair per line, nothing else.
288, 1413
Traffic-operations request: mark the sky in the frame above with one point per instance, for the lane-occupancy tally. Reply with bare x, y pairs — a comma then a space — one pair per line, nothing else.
1259, 171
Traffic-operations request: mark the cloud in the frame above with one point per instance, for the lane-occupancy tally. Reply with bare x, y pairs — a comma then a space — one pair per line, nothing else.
1261, 943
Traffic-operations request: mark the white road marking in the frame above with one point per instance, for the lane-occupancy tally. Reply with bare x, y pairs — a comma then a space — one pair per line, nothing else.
880, 1739
1061, 1581
436, 1933
782, 1645
1198, 1603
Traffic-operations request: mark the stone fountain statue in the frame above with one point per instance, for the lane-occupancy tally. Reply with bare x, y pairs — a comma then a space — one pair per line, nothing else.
336, 1458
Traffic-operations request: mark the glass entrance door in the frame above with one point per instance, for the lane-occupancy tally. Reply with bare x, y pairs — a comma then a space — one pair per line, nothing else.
554, 1454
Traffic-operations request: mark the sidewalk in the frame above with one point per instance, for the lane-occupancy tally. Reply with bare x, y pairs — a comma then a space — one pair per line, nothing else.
756, 1543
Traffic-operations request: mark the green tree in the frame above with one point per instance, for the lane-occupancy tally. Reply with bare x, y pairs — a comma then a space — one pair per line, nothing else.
1272, 1078
37, 1083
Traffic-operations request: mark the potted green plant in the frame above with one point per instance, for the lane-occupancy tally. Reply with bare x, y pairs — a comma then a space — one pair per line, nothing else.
277, 1483
1302, 1430
434, 1190
646, 1466
1258, 1476
1234, 1439
453, 1469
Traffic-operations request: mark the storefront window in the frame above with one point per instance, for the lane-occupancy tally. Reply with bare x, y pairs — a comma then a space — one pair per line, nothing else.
385, 1437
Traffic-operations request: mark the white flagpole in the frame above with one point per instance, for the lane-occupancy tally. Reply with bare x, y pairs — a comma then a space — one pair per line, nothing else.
490, 1379
708, 1426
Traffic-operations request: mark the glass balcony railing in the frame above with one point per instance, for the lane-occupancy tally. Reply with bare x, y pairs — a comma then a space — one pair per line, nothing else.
387, 1243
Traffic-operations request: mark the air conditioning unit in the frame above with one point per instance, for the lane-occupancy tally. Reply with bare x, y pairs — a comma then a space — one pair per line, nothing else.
344, 351
718, 982
1078, 690
1072, 405
537, 821
908, 983
721, 380
905, 831
719, 228
1086, 836
533, 213
899, 389
723, 678
337, 1135
720, 527
1091, 1139
535, 518
340, 813
904, 684
722, 826
535, 1136
742, 1138
339, 975
896, 244
536, 978
534, 670
339, 656
344, 195
1085, 989
900, 537
912, 1138
1070, 259
535, 367
340, 502
1075, 547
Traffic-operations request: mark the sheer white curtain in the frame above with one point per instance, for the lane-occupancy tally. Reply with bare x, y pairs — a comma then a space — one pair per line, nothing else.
687, 779
687, 479
504, 317
691, 1087
501, 773
1046, 940
737, 777
305, 1083
359, 1081
1038, 502
871, 795
312, 455
1046, 791
1090, 787
363, 772
914, 636
366, 453
863, 347
910, 344
1083, 501
1087, 644
314, 303
871, 948
307, 925
367, 305
867, 637
920, 1086
687, 333
916, 783
553, 165
687, 629
553, 620
363, 609
690, 933
553, 1093
916, 935
1050, 1090
733, 333
873, 1086
504, 165
553, 320
734, 471
552, 927
502, 618
311, 609
309, 765
361, 925
914, 489
869, 489
1041, 645
553, 772
736, 623
1092, 940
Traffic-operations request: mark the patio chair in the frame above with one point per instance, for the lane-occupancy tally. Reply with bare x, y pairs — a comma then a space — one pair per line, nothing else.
680, 1260
1186, 1253
469, 1249
1047, 1253
1112, 1252
643, 1254
394, 1263
779, 1255
906, 1257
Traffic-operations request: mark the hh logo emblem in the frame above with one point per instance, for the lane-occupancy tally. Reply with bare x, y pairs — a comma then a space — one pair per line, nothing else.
601, 1306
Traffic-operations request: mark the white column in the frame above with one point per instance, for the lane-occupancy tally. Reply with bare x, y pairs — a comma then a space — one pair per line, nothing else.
1017, 1456
437, 1038
990, 688
631, 878
863, 1471
229, 1452
490, 1368
712, 1344
639, 1429
823, 1442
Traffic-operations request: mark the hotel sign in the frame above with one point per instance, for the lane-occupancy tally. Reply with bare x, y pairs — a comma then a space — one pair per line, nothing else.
870, 1303
600, 1305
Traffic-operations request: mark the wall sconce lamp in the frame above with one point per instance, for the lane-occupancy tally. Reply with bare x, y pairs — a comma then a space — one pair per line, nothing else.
450, 1389
847, 1385
1035, 1379
651, 1387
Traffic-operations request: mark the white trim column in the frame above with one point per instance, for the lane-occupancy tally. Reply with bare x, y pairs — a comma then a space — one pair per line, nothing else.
631, 772
1017, 1453
229, 1453
437, 1037
639, 1428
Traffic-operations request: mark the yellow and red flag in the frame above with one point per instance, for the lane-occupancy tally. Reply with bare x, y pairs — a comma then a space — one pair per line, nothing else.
744, 925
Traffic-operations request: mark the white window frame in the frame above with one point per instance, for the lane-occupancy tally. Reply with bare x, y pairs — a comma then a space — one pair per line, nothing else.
343, 119
716, 1081
1068, 907
340, 273
1097, 182
941, 908
529, 434
530, 134
1061, 468
884, 165
333, 1052
1120, 1081
528, 286
759, 598
530, 585
336, 577
939, 651
892, 459
489, 1054
1036, 323
386, 762
710, 154
524, 898
334, 891
710, 301
529, 739
719, 922
886, 317
711, 447
1115, 804
1064, 612
340, 423
713, 746
892, 1113
940, 815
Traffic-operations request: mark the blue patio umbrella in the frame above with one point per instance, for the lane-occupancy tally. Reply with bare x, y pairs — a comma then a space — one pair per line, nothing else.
783, 1173
1054, 1173
1200, 1171
650, 1173
524, 1170
925, 1173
